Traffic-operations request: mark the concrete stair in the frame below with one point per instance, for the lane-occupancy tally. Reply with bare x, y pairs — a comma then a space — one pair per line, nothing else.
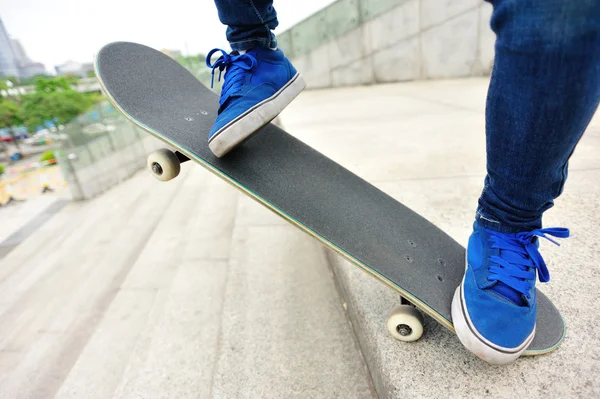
423, 143
183, 289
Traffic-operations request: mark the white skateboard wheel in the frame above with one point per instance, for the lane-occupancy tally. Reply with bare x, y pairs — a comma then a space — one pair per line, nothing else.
164, 164
405, 323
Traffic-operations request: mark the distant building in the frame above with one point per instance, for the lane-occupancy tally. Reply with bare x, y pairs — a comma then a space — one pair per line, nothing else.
32, 69
27, 68
8, 61
75, 68
87, 67
19, 52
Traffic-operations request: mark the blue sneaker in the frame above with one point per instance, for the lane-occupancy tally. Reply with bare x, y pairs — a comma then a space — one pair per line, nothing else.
494, 308
257, 86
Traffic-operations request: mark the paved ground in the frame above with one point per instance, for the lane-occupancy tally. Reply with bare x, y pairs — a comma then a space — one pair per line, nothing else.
188, 289
21, 219
424, 144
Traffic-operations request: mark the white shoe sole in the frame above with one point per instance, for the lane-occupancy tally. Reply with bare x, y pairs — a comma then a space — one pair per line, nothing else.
475, 342
262, 113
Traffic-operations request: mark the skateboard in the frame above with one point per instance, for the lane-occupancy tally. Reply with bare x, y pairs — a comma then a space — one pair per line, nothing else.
363, 224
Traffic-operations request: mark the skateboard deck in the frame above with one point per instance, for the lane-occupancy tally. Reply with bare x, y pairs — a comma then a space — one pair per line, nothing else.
344, 212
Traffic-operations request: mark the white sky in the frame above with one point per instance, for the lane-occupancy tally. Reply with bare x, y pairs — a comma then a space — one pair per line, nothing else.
54, 31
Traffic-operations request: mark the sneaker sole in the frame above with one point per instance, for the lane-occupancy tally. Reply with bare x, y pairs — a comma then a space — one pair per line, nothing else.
248, 123
475, 342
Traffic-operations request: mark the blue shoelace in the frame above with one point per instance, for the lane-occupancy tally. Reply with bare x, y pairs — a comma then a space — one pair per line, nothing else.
235, 66
521, 258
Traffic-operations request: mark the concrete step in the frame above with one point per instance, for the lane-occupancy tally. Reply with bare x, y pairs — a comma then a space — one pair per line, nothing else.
183, 289
423, 143
284, 332
55, 299
437, 366
20, 220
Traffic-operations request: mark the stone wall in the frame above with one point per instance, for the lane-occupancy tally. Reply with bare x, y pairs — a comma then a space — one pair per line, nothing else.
355, 42
92, 168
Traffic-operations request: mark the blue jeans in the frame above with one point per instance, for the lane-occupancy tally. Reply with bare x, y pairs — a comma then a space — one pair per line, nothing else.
250, 23
544, 89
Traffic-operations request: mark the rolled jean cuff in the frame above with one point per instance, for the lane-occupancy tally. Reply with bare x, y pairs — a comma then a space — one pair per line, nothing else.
248, 44
489, 221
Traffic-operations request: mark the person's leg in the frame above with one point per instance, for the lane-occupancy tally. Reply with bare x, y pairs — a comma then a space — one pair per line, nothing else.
259, 80
544, 89
250, 23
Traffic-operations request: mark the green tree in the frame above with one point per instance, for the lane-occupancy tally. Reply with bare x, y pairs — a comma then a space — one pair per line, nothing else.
57, 106
95, 96
36, 110
50, 85
54, 100
67, 105
31, 81
11, 116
